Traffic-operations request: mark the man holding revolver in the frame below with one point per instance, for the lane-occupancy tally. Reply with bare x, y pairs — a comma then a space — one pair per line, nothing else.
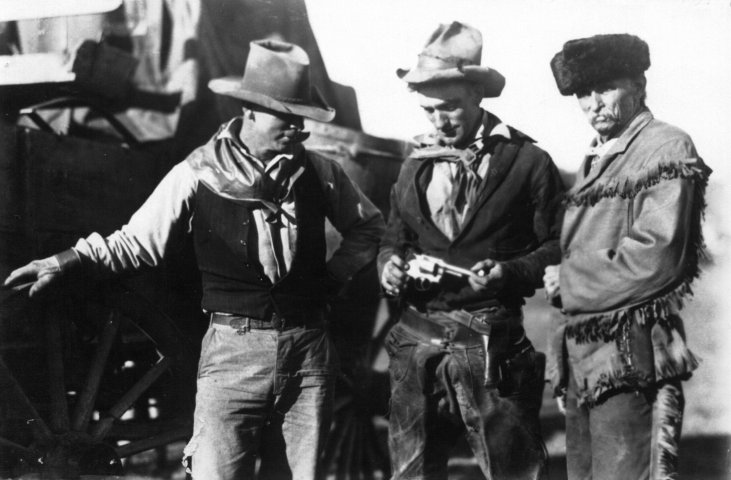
476, 207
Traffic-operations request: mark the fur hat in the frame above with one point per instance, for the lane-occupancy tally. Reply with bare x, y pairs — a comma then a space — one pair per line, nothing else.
277, 76
585, 62
452, 52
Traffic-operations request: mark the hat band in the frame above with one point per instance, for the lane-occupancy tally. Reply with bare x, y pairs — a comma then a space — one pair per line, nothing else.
299, 101
433, 62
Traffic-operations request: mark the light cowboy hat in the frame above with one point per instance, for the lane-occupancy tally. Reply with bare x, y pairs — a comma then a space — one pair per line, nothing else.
277, 77
454, 51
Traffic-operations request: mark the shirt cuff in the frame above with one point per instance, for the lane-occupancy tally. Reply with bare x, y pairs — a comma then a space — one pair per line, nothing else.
68, 260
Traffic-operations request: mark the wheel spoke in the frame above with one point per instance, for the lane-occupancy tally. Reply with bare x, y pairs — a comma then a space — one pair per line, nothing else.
56, 382
85, 404
116, 411
369, 466
159, 440
379, 335
340, 426
381, 458
14, 393
345, 458
356, 467
4, 442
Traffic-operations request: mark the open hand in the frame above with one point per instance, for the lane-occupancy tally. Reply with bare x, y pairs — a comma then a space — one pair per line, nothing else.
37, 275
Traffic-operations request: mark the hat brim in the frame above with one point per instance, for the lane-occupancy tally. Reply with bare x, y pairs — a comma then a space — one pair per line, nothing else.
491, 80
231, 86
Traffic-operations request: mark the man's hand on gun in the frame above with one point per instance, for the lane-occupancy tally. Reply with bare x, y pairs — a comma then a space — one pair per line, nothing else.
37, 275
425, 270
393, 278
489, 276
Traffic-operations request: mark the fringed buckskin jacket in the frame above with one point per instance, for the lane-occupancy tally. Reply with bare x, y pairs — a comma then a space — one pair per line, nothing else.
631, 244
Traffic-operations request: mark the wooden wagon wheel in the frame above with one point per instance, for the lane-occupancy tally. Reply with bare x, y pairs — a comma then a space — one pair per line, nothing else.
75, 427
357, 445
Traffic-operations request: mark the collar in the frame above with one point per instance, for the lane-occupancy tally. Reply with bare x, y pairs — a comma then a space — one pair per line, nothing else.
500, 130
230, 131
630, 131
598, 148
227, 168
595, 179
496, 126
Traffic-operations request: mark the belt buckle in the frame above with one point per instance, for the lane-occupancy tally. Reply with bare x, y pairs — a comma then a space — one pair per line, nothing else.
241, 325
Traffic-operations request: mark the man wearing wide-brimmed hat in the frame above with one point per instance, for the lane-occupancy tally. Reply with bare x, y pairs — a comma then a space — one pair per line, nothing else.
256, 202
478, 195
631, 243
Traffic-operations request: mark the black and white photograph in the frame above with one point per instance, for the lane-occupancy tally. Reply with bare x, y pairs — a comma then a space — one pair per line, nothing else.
365, 239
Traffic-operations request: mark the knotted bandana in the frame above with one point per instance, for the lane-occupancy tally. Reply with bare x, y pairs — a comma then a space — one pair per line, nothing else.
227, 168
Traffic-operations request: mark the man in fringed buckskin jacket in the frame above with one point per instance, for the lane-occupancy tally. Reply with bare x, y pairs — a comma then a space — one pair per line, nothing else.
478, 195
631, 244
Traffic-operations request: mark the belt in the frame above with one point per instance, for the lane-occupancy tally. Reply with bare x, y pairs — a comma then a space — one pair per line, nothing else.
485, 321
439, 328
243, 323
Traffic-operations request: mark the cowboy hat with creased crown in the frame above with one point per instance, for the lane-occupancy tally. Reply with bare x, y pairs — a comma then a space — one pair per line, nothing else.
453, 52
277, 77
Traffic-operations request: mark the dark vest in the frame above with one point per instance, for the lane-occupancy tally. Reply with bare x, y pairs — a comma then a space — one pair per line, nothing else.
226, 246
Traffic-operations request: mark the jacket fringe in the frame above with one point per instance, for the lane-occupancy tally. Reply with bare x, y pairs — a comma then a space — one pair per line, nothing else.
629, 187
585, 328
612, 381
680, 367
605, 325
669, 419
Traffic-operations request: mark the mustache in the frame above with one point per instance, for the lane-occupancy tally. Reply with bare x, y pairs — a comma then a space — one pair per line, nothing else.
605, 116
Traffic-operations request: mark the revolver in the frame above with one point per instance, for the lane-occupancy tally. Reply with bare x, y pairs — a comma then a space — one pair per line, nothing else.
427, 270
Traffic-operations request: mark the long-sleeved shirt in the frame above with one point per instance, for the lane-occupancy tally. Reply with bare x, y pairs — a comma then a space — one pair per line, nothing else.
167, 214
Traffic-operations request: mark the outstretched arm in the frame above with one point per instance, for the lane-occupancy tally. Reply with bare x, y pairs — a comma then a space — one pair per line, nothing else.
143, 241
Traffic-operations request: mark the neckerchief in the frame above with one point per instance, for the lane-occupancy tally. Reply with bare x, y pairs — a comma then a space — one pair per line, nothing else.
458, 174
227, 168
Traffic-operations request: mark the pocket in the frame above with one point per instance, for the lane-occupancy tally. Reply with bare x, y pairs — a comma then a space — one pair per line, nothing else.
205, 348
314, 353
400, 351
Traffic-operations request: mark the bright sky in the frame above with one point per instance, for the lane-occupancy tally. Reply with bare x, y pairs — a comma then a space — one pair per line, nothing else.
364, 42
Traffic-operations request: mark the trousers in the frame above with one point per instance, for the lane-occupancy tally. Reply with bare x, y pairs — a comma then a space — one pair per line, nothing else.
629, 435
437, 394
262, 395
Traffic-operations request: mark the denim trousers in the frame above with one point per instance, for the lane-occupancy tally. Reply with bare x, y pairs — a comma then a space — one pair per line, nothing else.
629, 435
437, 394
264, 395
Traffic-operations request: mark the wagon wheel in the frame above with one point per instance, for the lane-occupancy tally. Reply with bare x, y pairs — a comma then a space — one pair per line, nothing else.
357, 448
99, 371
